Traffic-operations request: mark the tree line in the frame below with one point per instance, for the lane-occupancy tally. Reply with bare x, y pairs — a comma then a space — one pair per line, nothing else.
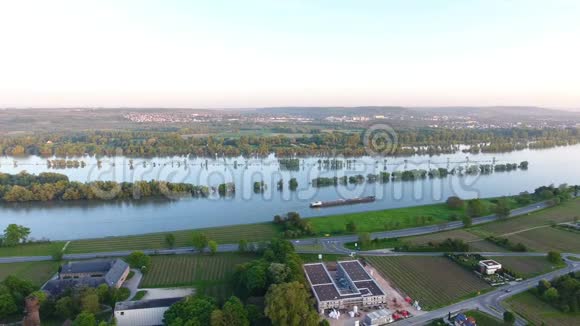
411, 141
24, 187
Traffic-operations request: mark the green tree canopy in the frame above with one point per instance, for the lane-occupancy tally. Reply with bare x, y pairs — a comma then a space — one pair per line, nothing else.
234, 313
195, 310
139, 260
290, 304
15, 234
85, 319
199, 241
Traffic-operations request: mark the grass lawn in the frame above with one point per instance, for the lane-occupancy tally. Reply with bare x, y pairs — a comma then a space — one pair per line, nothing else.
208, 274
32, 249
391, 219
538, 312
226, 234
484, 319
527, 266
139, 295
433, 281
35, 272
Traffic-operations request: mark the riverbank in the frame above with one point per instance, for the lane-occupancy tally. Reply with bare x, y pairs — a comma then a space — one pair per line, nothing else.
382, 220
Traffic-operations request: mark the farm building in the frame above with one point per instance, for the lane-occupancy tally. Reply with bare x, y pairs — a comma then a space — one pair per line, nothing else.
142, 313
489, 266
350, 285
112, 272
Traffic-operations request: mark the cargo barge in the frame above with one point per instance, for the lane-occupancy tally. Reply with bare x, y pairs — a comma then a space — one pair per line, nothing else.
339, 202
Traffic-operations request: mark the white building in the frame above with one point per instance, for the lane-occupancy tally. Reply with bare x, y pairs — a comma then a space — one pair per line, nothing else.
489, 266
349, 286
142, 313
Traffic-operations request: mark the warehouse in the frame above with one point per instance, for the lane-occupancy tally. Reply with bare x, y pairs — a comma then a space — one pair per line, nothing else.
143, 312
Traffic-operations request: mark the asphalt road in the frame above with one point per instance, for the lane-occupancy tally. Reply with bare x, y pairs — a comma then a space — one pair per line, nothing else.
331, 244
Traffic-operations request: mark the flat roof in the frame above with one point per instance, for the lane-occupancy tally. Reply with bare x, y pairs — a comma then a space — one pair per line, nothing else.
326, 292
144, 304
327, 289
317, 274
355, 270
489, 262
370, 286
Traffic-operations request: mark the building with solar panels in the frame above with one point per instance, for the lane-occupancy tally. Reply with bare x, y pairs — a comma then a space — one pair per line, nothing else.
348, 286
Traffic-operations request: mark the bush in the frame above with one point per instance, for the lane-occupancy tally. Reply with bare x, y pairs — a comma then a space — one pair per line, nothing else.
454, 202
555, 257
509, 317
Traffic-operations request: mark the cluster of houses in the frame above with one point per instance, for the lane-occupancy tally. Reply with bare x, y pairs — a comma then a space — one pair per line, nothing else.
113, 273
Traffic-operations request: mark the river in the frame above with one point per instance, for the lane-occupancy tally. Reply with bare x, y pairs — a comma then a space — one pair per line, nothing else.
76, 220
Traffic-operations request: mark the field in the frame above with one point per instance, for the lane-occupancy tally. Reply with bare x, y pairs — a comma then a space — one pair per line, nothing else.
226, 234
548, 238
390, 219
539, 313
35, 272
32, 249
562, 213
192, 270
442, 236
485, 246
527, 266
433, 281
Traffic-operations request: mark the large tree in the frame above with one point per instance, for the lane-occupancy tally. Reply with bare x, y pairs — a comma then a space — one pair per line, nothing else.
502, 208
139, 260
15, 234
290, 304
190, 311
199, 241
234, 313
85, 319
475, 207
7, 305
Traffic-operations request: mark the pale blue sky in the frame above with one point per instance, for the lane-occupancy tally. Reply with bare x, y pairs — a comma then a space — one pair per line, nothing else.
250, 53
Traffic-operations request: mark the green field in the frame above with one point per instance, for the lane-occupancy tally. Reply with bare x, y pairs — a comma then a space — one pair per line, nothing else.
433, 281
391, 219
538, 312
32, 249
527, 266
35, 272
226, 234
199, 271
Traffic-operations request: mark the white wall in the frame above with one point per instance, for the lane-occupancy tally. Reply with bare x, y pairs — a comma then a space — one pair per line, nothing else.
140, 317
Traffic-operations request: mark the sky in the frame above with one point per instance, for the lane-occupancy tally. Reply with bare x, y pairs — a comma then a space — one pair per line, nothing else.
257, 53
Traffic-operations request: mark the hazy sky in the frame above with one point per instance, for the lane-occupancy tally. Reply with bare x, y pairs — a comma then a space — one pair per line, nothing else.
248, 53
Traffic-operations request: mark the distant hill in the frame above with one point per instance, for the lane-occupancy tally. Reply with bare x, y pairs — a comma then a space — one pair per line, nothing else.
498, 110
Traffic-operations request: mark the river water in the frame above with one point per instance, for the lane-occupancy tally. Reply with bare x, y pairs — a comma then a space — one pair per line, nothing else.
76, 220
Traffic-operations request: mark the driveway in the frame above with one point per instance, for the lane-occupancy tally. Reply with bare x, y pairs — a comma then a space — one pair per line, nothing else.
133, 283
